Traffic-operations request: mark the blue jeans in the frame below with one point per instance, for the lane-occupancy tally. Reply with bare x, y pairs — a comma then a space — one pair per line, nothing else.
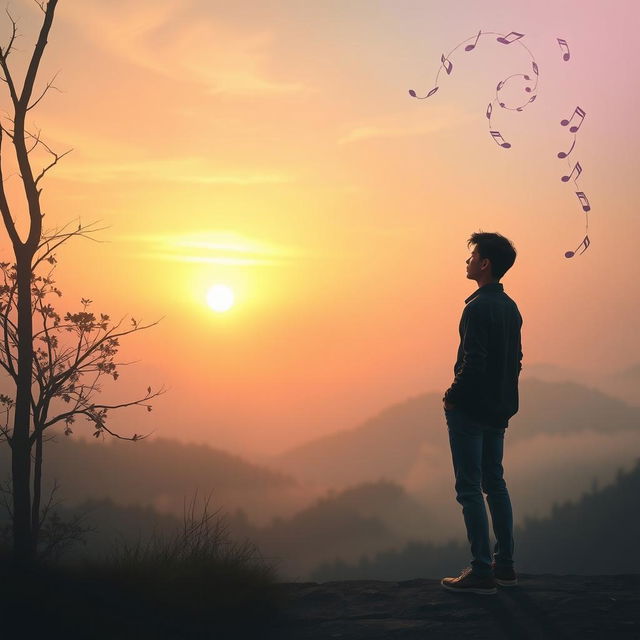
477, 450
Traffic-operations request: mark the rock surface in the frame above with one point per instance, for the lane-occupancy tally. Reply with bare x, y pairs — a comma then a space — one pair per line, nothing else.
541, 607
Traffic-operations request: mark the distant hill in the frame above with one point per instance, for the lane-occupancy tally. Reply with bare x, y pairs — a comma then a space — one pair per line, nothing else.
360, 519
161, 473
598, 534
390, 443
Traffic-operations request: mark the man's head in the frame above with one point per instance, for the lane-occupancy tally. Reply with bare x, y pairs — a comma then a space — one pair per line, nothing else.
491, 257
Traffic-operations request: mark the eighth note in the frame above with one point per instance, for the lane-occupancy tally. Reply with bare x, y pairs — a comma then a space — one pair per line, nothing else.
586, 242
577, 170
512, 37
412, 93
578, 112
497, 136
447, 64
564, 47
583, 201
471, 47
564, 154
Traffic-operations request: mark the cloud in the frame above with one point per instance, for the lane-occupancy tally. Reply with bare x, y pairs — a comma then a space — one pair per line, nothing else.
182, 41
221, 247
400, 125
190, 170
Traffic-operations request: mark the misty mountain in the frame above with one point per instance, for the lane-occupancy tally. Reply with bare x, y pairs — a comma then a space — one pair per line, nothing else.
623, 384
597, 534
392, 442
161, 473
361, 519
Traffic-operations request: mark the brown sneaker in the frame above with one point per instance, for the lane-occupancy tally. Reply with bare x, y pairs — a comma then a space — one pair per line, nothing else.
505, 576
469, 582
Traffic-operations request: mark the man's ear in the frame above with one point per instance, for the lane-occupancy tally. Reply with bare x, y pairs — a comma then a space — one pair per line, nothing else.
485, 263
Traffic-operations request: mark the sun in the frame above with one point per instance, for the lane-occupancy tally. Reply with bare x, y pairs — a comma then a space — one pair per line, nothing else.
220, 297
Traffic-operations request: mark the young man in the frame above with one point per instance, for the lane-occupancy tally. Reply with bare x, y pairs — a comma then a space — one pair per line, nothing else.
477, 406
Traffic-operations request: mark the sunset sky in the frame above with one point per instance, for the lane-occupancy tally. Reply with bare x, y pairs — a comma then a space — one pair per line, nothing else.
272, 146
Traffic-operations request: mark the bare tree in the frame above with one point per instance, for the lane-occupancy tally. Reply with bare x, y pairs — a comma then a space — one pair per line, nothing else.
55, 363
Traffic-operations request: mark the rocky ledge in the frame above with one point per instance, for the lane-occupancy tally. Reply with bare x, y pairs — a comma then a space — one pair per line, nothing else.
542, 606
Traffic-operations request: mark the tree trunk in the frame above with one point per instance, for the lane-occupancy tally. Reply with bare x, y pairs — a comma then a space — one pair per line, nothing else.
23, 544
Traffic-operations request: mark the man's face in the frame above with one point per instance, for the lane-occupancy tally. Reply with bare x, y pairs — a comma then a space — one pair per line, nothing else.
475, 264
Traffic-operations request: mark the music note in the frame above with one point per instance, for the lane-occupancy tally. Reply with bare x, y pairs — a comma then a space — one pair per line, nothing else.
562, 154
536, 70
577, 170
471, 47
412, 93
500, 85
508, 39
532, 98
447, 64
497, 136
489, 111
583, 201
586, 242
564, 47
580, 113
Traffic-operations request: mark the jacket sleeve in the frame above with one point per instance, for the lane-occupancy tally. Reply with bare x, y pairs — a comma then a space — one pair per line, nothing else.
474, 342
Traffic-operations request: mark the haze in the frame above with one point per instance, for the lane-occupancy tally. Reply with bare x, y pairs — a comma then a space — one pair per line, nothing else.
273, 147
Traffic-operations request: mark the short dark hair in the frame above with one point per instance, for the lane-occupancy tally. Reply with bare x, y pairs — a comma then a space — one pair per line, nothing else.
499, 250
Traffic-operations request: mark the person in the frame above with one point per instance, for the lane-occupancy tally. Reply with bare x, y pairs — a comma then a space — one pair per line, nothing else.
478, 406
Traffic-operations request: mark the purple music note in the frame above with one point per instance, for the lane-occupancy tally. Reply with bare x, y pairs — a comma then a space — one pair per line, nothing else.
489, 110
563, 154
577, 170
532, 98
412, 93
536, 70
512, 37
565, 48
586, 242
471, 47
583, 201
580, 113
497, 136
500, 85
447, 64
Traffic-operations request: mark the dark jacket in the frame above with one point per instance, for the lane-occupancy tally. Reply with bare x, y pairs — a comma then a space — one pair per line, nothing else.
489, 357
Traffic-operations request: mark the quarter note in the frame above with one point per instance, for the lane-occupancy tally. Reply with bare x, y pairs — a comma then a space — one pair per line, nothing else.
583, 201
580, 113
497, 136
536, 70
577, 170
471, 47
412, 93
489, 110
586, 242
500, 85
564, 154
447, 64
532, 98
512, 37
565, 48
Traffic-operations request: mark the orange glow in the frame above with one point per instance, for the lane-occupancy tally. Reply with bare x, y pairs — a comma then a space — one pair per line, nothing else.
274, 148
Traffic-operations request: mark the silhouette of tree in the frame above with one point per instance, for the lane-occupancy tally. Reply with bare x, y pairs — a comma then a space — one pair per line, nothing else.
55, 363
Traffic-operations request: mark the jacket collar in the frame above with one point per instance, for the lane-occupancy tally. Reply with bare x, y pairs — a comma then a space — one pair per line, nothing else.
492, 287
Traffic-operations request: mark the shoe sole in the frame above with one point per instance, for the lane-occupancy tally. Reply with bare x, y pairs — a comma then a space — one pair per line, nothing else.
480, 592
507, 583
